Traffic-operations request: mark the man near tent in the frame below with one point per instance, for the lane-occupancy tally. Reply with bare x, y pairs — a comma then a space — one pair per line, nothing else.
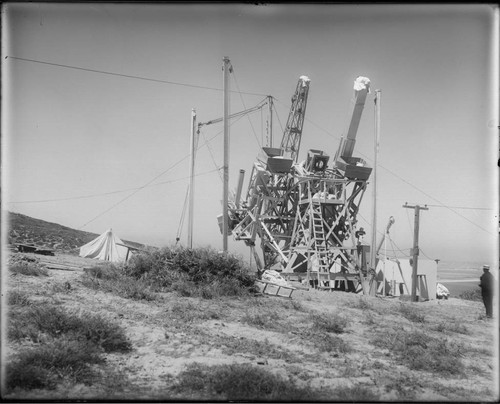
486, 286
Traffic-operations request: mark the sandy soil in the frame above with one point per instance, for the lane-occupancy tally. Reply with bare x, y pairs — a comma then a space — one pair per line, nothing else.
213, 332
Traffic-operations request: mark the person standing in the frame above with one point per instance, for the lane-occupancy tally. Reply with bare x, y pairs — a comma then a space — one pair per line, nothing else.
486, 286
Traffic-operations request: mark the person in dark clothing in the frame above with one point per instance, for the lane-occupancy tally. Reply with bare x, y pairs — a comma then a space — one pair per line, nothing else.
486, 286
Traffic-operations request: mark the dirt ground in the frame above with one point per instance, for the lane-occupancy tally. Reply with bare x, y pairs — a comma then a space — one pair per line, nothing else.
169, 333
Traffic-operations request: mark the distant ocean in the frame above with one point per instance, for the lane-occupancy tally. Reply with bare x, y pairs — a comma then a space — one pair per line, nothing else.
459, 276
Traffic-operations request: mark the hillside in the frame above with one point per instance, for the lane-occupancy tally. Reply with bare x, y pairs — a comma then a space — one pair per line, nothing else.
23, 229
316, 346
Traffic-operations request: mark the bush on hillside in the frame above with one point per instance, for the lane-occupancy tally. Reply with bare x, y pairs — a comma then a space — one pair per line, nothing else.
333, 323
18, 298
28, 269
411, 313
420, 351
192, 272
43, 366
107, 271
53, 321
112, 278
471, 294
240, 382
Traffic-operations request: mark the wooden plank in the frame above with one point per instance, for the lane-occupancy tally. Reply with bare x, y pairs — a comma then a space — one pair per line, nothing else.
61, 267
61, 264
26, 248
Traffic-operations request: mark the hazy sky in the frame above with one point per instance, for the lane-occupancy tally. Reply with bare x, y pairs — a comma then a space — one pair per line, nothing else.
97, 99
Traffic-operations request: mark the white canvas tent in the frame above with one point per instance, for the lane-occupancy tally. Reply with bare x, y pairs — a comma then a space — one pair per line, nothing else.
105, 247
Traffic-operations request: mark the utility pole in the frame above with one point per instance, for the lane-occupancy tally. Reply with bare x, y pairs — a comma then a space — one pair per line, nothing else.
194, 145
415, 250
226, 68
373, 255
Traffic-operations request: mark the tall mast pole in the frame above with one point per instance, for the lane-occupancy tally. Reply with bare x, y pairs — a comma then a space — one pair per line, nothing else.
225, 197
191, 178
270, 104
373, 255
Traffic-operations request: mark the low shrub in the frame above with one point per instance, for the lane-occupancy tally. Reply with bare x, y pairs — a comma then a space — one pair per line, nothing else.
240, 382
53, 321
107, 271
264, 349
28, 269
187, 312
130, 288
27, 376
116, 282
268, 320
19, 329
359, 394
420, 351
472, 294
293, 304
44, 366
361, 303
330, 323
326, 342
18, 298
411, 313
452, 326
201, 272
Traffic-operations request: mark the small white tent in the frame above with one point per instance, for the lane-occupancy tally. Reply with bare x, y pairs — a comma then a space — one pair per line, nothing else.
105, 247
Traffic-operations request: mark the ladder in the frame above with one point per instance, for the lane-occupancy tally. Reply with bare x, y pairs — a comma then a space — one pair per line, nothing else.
320, 242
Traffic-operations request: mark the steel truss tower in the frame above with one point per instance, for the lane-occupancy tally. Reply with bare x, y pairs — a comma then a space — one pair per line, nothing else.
305, 214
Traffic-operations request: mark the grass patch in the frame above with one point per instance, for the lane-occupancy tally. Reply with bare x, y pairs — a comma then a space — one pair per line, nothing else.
420, 351
46, 365
361, 304
293, 305
242, 382
187, 312
267, 319
369, 318
472, 294
53, 321
454, 326
411, 313
18, 298
260, 349
63, 288
112, 279
405, 386
28, 269
69, 344
358, 394
326, 342
330, 323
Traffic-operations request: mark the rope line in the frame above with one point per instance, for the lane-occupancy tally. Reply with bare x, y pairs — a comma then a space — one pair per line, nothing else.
244, 106
183, 214
129, 76
108, 193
